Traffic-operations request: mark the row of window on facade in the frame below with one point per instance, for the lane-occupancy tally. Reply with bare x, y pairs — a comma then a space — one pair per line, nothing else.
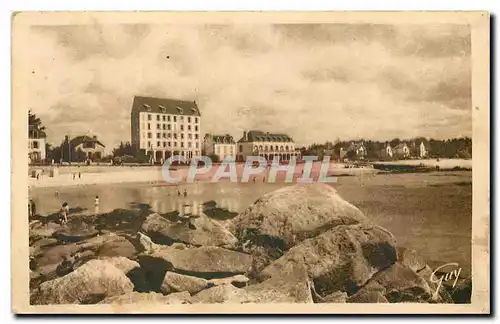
169, 144
171, 118
169, 135
169, 127
269, 148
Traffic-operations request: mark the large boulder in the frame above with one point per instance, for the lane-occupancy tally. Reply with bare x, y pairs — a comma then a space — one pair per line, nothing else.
90, 283
148, 298
200, 231
283, 218
119, 246
206, 262
396, 284
342, 259
132, 270
291, 286
75, 232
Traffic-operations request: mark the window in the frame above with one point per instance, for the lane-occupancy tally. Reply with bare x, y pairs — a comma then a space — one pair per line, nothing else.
169, 144
157, 144
168, 118
286, 147
164, 126
196, 128
169, 135
164, 144
189, 144
196, 120
158, 126
158, 117
182, 144
175, 118
189, 127
182, 128
241, 148
149, 144
163, 117
169, 127
182, 135
162, 108
265, 148
164, 135
149, 116
149, 126
195, 136
181, 118
189, 119
150, 135
175, 136
190, 136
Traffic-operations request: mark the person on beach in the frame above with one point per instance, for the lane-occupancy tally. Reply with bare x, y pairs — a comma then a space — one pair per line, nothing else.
185, 193
96, 204
74, 176
178, 192
64, 213
57, 194
254, 179
32, 208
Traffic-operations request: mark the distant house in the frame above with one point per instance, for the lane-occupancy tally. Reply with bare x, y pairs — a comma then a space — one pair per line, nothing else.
267, 145
36, 145
223, 146
402, 151
387, 151
82, 148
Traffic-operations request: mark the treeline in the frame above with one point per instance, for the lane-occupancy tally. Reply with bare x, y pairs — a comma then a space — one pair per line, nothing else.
450, 148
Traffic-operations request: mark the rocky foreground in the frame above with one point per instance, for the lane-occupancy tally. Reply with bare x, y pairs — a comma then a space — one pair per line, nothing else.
299, 244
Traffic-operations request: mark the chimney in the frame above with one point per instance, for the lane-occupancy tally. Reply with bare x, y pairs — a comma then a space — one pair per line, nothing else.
245, 137
94, 138
66, 138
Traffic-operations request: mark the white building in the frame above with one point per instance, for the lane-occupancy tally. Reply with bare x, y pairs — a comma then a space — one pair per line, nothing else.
267, 145
36, 145
166, 127
223, 146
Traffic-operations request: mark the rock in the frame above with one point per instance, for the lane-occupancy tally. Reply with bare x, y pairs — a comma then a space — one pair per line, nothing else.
90, 283
292, 214
342, 259
124, 264
75, 232
174, 282
201, 231
147, 245
239, 281
462, 292
41, 231
439, 295
45, 242
335, 298
221, 294
291, 287
396, 284
49, 258
206, 262
411, 259
148, 298
119, 246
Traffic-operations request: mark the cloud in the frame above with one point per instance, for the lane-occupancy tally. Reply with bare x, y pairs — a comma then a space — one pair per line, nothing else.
314, 82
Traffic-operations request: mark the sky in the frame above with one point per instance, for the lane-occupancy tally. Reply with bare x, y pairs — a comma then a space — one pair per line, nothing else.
314, 82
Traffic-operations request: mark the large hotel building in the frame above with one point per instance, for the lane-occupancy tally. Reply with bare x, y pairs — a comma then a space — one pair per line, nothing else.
166, 127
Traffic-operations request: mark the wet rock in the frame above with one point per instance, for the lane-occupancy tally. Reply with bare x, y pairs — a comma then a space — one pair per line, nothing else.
90, 283
42, 243
49, 258
174, 282
206, 262
75, 232
148, 298
342, 259
146, 244
39, 230
283, 218
201, 231
371, 294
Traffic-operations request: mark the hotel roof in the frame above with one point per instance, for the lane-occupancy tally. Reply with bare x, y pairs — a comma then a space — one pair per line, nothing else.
165, 106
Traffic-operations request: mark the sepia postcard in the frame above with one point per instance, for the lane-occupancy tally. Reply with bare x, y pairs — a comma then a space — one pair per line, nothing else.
251, 162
